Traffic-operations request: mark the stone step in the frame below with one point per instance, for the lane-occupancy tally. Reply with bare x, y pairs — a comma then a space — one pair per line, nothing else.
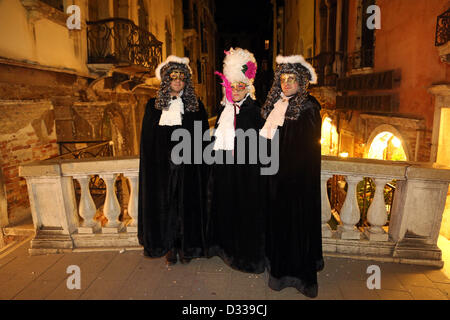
22, 230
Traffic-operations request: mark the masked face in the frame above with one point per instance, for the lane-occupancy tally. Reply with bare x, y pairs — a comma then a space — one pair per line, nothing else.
239, 90
289, 84
177, 82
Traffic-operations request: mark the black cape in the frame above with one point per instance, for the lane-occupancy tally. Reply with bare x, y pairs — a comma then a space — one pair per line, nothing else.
172, 196
236, 224
293, 209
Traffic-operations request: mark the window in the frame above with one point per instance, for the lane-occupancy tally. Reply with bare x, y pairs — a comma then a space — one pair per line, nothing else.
187, 15
143, 15
93, 10
168, 39
199, 71
367, 37
203, 40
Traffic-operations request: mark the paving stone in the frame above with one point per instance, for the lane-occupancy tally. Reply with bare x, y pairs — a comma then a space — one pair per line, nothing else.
121, 267
357, 290
137, 290
11, 288
38, 290
437, 276
424, 293
211, 286
214, 265
102, 289
239, 293
58, 271
144, 273
445, 289
62, 292
173, 293
415, 279
285, 294
386, 294
329, 291
96, 262
4, 261
391, 282
30, 267
130, 275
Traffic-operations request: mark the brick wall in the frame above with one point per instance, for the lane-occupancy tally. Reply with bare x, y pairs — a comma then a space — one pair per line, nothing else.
39, 108
27, 134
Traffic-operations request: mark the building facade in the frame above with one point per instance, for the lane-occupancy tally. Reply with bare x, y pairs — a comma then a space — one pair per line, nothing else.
383, 75
64, 89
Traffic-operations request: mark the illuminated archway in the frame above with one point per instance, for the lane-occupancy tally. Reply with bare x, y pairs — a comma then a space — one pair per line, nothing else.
386, 143
329, 137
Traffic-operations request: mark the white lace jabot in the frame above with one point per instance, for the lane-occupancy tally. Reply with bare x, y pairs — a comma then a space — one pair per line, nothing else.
172, 116
275, 118
225, 131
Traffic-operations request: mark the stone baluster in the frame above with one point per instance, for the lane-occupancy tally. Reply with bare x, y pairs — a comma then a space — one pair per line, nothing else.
326, 208
133, 177
350, 213
377, 214
87, 207
111, 208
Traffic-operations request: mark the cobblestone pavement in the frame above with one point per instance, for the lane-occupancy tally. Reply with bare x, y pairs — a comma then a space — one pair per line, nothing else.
130, 275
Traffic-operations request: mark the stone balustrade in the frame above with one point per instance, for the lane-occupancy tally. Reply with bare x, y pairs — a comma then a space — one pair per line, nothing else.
62, 224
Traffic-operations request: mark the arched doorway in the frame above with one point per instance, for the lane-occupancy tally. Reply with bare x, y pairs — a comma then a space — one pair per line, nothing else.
386, 143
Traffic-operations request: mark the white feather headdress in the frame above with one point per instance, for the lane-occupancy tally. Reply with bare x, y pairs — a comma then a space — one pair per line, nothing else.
172, 58
233, 63
239, 65
299, 59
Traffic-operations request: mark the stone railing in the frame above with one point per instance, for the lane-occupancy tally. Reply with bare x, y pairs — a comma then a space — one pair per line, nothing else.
411, 236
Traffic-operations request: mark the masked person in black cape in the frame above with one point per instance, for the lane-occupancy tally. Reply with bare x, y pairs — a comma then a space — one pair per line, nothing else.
293, 207
236, 226
172, 195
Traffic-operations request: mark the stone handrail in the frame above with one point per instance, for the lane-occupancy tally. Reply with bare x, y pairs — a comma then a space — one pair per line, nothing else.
412, 234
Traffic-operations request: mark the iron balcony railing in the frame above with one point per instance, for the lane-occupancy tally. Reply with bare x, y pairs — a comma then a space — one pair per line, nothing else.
443, 28
120, 41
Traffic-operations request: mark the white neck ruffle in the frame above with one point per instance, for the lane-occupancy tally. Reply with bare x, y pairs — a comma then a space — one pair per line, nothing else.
275, 118
225, 131
173, 115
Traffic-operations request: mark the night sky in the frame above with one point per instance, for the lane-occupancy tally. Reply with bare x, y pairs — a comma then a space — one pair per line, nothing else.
246, 24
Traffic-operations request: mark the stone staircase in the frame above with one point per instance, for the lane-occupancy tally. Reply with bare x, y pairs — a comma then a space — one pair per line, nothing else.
14, 235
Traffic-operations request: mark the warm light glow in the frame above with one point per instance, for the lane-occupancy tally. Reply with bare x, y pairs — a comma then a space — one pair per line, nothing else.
329, 137
386, 146
396, 142
343, 154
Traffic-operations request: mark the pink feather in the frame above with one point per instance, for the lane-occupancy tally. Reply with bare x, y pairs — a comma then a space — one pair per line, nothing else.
251, 70
227, 85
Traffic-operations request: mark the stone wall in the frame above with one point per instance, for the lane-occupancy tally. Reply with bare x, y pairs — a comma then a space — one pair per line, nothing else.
27, 134
40, 108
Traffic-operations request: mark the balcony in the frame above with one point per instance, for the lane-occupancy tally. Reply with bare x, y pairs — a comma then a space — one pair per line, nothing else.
64, 223
119, 43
